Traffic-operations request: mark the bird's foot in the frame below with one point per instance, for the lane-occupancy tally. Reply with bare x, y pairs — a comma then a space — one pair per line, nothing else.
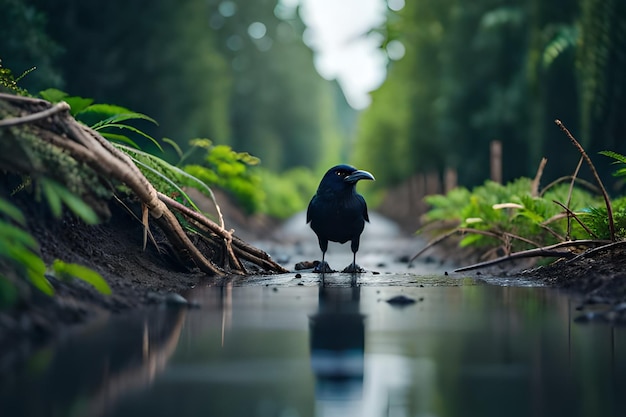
353, 269
324, 268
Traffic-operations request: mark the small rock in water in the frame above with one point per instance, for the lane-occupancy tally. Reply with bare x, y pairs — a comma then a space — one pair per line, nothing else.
401, 300
306, 265
403, 259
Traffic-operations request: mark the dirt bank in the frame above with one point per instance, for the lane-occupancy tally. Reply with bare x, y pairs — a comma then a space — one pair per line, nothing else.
137, 277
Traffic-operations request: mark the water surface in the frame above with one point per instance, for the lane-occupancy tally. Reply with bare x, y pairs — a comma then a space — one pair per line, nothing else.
284, 346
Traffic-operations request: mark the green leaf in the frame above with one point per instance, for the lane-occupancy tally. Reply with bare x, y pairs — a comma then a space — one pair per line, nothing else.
120, 139
54, 201
174, 145
14, 235
40, 282
618, 157
173, 171
120, 117
470, 239
57, 194
12, 212
34, 266
63, 270
79, 207
132, 129
77, 104
53, 95
106, 110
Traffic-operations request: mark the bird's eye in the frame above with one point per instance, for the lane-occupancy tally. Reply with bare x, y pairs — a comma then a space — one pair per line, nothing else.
341, 173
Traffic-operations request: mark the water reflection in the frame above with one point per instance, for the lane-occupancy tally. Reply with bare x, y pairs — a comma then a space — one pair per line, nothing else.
337, 334
305, 351
91, 373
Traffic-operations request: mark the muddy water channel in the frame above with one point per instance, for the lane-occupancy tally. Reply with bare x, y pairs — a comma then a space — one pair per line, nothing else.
461, 348
284, 346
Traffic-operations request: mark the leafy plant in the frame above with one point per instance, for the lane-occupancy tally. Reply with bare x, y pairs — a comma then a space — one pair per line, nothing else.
222, 166
9, 83
508, 216
104, 118
288, 192
21, 262
19, 249
58, 195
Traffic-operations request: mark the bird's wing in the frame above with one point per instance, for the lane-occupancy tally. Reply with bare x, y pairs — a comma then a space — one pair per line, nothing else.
364, 205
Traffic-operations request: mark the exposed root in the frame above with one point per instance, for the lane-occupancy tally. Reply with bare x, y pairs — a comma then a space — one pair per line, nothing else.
54, 124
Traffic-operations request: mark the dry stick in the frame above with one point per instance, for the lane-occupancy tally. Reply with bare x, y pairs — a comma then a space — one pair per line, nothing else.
547, 251
580, 181
267, 263
129, 211
570, 215
534, 187
607, 201
569, 201
14, 121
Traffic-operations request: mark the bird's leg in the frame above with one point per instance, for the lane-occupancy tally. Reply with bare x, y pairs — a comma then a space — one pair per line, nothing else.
323, 267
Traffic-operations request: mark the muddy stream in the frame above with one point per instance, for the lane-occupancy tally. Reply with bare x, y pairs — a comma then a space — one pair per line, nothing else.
401, 342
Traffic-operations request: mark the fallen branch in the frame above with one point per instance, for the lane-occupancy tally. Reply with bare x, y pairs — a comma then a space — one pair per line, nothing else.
545, 252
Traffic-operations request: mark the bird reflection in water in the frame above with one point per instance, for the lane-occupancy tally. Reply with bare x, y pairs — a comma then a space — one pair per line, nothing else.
337, 341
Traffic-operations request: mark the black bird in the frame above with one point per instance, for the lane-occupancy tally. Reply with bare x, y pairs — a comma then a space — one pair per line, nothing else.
338, 213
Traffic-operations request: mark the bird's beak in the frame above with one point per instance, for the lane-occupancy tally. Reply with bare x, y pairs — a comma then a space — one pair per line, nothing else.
359, 175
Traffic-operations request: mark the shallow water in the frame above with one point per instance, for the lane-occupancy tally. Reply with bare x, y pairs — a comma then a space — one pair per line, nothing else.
283, 346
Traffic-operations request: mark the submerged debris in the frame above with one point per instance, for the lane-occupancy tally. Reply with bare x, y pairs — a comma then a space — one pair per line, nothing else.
401, 300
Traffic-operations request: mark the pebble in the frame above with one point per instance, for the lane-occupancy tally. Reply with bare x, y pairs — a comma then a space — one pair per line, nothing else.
401, 300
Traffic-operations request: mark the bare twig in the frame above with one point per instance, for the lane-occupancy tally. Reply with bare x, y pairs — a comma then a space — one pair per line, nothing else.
547, 251
579, 181
607, 201
569, 199
572, 215
534, 187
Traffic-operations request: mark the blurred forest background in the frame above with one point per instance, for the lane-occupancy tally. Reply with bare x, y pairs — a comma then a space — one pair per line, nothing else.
460, 75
